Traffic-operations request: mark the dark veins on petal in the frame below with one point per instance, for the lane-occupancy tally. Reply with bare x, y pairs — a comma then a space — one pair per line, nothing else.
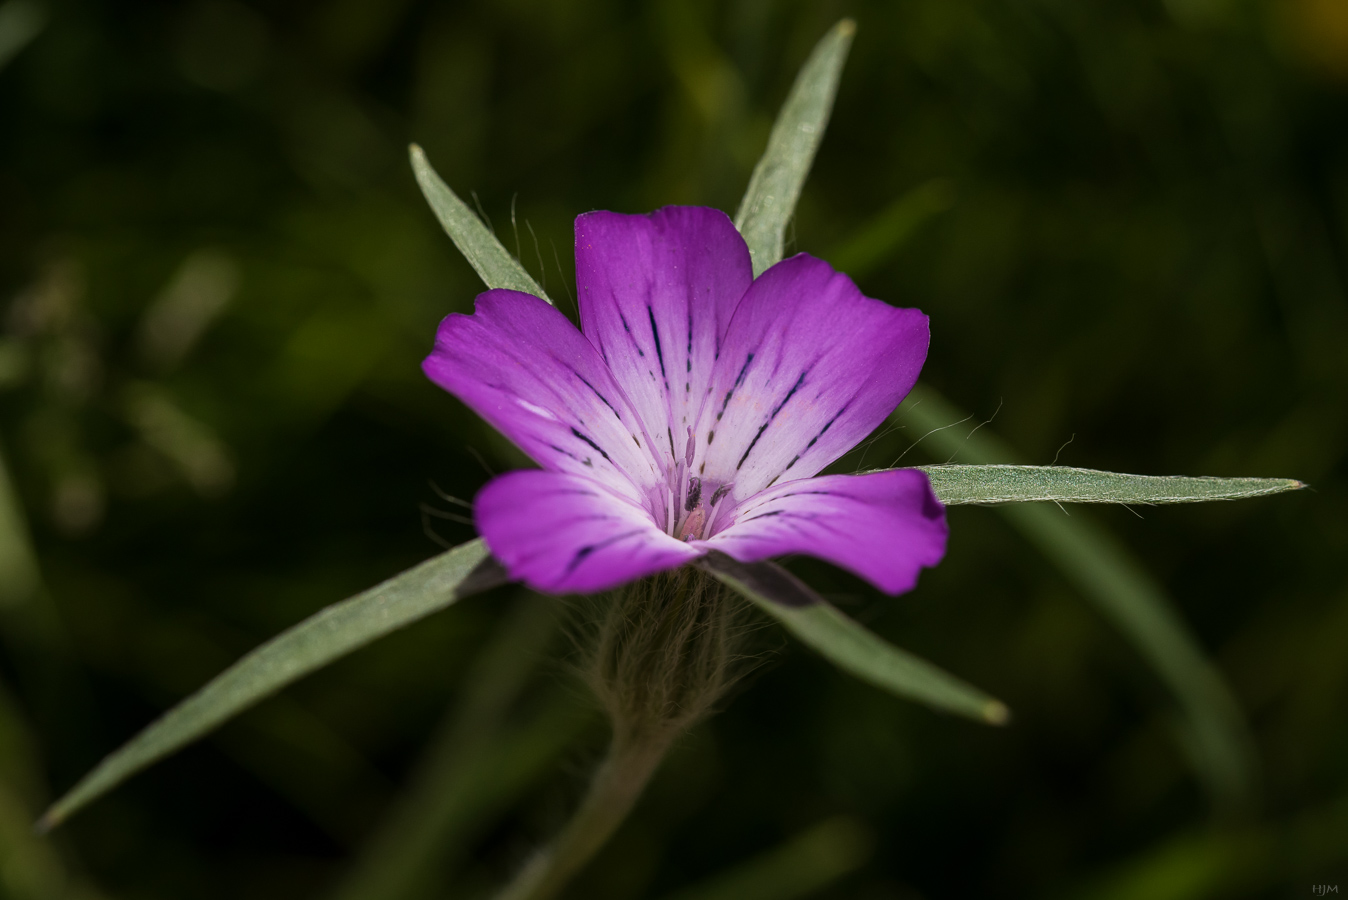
586, 461
804, 493
563, 405
659, 353
628, 328
585, 551
596, 393
688, 385
587, 440
739, 380
764, 427
827, 425
581, 418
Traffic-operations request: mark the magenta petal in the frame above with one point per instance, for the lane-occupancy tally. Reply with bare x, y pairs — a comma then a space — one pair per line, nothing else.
522, 366
808, 367
656, 295
885, 526
565, 534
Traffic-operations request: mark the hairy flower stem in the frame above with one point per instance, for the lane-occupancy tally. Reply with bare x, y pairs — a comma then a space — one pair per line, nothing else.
613, 792
663, 653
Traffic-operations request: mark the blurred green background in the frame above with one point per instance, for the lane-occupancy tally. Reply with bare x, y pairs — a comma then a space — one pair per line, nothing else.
1127, 219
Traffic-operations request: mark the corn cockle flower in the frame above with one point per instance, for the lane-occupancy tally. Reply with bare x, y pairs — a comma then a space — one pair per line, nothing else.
692, 411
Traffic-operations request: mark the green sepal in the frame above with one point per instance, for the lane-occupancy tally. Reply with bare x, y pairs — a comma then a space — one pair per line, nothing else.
957, 485
849, 646
774, 188
492, 262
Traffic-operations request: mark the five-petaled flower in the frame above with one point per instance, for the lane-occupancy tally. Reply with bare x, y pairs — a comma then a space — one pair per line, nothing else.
691, 412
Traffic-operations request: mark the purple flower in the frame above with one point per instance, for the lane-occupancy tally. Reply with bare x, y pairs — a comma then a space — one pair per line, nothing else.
691, 411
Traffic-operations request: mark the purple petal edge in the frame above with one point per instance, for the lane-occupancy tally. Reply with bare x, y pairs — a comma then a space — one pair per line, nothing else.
522, 366
885, 526
808, 368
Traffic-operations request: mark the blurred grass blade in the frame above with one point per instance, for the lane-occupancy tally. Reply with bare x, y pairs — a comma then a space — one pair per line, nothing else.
1250, 860
20, 22
775, 185
799, 867
30, 867
874, 242
318, 640
437, 806
492, 262
1215, 735
468, 796
847, 644
19, 578
957, 485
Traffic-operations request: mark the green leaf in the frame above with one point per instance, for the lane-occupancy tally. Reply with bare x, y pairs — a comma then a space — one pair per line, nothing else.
847, 644
988, 484
492, 262
318, 640
1214, 733
775, 186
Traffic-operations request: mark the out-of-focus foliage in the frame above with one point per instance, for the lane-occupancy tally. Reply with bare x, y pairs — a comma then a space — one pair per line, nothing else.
1128, 221
318, 641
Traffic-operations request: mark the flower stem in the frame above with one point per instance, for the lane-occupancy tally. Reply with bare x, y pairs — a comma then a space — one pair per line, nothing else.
617, 784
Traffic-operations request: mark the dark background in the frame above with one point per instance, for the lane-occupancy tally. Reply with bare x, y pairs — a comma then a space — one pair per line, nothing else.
218, 278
